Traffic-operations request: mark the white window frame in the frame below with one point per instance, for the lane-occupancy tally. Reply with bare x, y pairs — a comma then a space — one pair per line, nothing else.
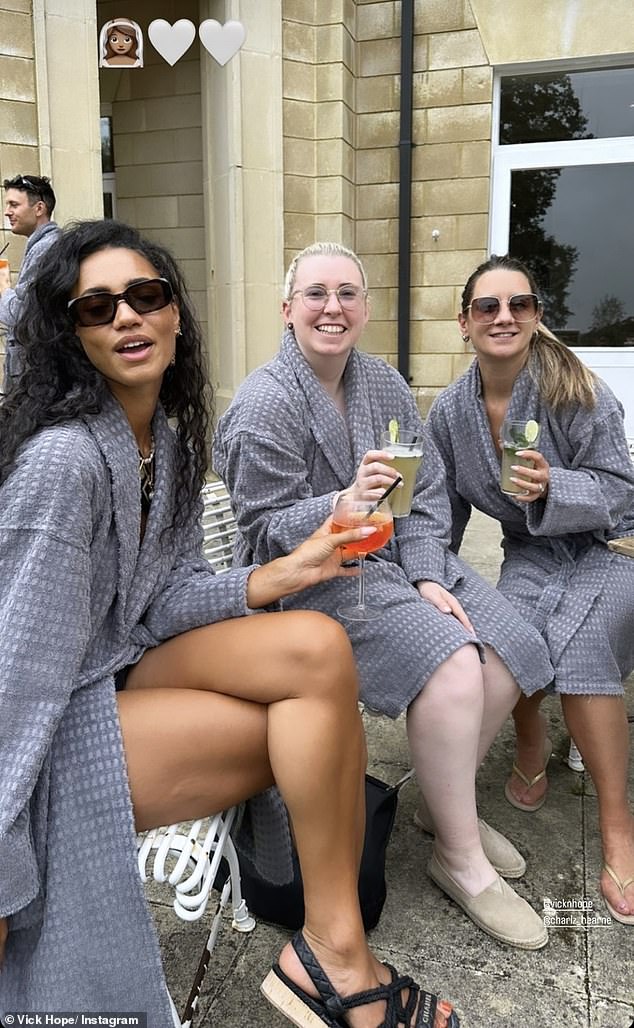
614, 364
528, 156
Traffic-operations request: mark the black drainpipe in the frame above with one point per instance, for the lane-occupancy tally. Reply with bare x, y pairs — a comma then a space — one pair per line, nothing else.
405, 146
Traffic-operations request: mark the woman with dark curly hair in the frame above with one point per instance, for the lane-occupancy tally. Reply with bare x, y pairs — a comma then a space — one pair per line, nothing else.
133, 691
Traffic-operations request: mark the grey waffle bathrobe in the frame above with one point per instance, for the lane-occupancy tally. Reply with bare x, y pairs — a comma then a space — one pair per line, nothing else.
557, 568
78, 601
284, 451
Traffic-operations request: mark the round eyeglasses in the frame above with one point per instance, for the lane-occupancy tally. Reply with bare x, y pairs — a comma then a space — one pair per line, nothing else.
316, 297
100, 308
522, 307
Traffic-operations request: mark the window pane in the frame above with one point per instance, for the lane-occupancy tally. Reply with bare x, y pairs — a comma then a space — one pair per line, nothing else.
571, 227
553, 107
107, 153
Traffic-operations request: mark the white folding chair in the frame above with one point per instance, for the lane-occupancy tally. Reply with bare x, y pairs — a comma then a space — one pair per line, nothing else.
187, 857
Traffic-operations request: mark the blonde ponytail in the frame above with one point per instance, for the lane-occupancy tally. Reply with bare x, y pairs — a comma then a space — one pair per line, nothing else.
562, 379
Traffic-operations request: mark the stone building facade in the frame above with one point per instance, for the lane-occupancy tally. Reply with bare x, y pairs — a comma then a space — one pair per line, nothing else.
296, 138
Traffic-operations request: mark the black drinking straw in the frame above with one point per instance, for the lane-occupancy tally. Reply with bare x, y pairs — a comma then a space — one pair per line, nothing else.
5, 247
375, 506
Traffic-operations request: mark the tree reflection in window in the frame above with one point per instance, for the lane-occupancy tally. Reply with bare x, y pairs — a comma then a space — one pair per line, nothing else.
533, 110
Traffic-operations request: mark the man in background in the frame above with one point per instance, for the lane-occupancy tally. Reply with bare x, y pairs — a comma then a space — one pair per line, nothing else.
29, 204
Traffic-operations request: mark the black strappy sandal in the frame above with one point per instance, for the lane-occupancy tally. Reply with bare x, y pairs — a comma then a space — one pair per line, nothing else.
309, 1012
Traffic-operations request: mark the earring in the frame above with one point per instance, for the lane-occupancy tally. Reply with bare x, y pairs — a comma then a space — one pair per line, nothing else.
173, 360
465, 337
290, 326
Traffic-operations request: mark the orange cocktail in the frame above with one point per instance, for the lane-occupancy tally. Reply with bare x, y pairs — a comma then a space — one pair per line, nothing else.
344, 519
355, 513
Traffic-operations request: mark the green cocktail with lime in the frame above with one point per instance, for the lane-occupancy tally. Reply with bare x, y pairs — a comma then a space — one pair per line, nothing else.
516, 436
407, 448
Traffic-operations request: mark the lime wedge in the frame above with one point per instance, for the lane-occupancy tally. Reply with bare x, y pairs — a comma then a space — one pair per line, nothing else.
393, 430
531, 431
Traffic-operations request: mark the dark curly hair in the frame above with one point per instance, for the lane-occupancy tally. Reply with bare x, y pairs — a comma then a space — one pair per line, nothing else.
59, 383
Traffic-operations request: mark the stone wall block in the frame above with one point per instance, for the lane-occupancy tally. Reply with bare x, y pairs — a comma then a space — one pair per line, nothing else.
377, 200
433, 303
473, 231
436, 160
477, 85
377, 165
299, 80
16, 34
438, 88
19, 123
451, 268
378, 130
423, 240
380, 93
456, 49
379, 57
466, 196
379, 235
299, 119
431, 369
299, 193
436, 337
459, 124
334, 120
380, 337
298, 42
18, 79
475, 159
299, 156
379, 20
334, 157
445, 16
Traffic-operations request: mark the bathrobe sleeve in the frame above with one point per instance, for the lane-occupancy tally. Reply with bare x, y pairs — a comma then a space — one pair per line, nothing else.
45, 531
596, 489
263, 450
192, 595
436, 432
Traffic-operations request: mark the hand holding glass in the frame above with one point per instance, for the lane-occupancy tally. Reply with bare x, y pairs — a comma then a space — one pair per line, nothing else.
516, 435
408, 454
355, 513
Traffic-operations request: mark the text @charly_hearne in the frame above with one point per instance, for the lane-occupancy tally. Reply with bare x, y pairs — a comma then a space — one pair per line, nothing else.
573, 913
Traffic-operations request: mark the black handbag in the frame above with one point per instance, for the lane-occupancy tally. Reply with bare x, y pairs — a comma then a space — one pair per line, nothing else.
284, 904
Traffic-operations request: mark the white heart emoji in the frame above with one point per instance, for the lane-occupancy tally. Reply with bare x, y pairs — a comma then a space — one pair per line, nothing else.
171, 41
222, 41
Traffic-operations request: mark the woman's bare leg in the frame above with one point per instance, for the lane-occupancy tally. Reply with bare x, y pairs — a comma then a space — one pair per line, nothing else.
443, 726
297, 670
599, 726
531, 731
501, 694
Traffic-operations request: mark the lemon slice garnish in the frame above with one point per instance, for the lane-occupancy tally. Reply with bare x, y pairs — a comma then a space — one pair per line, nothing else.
531, 431
393, 430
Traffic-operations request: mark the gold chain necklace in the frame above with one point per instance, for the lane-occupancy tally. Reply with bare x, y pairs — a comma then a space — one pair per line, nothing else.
146, 474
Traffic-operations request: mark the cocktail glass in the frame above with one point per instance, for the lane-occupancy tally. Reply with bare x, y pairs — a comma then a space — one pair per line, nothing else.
356, 513
516, 435
408, 454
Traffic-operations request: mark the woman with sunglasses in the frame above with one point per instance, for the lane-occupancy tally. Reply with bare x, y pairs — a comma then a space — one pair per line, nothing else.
133, 690
446, 647
558, 570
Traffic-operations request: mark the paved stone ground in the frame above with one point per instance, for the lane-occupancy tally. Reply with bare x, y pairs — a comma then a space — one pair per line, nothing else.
582, 979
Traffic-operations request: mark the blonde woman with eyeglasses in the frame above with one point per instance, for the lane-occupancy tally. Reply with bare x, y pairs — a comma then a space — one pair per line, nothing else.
446, 648
576, 495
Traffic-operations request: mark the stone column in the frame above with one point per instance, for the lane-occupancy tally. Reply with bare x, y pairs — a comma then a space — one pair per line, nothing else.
242, 172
